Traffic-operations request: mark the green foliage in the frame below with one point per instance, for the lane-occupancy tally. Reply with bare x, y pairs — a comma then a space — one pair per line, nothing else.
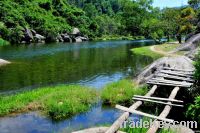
193, 111
121, 92
58, 102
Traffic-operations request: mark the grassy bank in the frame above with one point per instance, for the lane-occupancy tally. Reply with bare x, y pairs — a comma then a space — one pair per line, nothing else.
146, 51
161, 50
57, 102
121, 92
166, 47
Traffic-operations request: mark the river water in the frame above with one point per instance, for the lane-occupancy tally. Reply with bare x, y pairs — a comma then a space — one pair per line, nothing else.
90, 63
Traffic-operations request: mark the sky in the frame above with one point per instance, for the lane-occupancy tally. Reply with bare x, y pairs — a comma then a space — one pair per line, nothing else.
169, 3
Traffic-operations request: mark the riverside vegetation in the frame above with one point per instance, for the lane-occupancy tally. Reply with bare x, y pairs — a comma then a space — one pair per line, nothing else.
52, 20
64, 101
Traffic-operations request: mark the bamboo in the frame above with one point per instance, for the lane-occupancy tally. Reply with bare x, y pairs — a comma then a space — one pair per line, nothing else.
175, 69
165, 112
159, 98
143, 114
174, 77
153, 101
175, 73
116, 125
167, 84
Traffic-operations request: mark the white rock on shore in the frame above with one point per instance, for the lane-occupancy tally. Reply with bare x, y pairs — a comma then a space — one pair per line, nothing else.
3, 62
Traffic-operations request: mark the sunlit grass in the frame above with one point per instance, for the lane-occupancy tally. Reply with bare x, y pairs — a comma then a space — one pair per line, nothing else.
146, 51
167, 47
121, 92
57, 102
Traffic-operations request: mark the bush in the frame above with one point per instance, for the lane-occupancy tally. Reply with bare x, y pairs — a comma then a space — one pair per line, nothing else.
193, 111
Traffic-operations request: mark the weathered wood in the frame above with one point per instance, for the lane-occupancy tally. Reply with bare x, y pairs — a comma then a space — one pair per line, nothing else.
167, 84
175, 69
159, 98
165, 112
170, 81
174, 77
143, 114
116, 125
176, 73
154, 101
157, 80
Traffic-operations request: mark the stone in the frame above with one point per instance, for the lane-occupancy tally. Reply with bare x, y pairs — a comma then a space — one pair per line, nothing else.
39, 38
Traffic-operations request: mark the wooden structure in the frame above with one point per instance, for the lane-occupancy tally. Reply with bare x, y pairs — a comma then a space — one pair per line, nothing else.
175, 78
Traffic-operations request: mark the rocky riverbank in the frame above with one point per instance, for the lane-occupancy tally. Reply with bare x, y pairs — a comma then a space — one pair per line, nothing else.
31, 36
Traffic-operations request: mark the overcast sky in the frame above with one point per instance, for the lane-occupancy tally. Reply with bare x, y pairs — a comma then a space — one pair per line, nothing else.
169, 3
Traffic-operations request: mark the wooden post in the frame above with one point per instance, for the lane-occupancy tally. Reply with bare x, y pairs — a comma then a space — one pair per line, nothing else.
116, 125
165, 112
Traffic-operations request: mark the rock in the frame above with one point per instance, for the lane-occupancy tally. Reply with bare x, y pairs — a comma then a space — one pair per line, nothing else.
78, 39
3, 62
39, 38
59, 38
83, 38
76, 31
190, 44
33, 32
66, 37
181, 62
28, 36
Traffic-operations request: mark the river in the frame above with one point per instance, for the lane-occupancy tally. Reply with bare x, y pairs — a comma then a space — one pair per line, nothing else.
92, 64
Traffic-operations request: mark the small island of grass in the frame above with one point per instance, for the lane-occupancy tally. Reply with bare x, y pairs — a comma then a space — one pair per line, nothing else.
121, 92
57, 102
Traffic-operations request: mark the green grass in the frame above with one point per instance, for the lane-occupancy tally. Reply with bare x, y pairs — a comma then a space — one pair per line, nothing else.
146, 51
167, 47
3, 42
57, 102
121, 92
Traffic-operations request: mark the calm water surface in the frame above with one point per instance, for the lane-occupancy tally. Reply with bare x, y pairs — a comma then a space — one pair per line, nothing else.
90, 63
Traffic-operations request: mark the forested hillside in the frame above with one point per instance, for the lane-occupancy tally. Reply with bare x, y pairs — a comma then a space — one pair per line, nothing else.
94, 18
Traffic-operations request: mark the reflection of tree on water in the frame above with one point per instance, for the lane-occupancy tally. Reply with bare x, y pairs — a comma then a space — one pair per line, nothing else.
72, 66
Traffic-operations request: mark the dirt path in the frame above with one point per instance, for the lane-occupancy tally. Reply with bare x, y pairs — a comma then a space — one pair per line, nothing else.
168, 54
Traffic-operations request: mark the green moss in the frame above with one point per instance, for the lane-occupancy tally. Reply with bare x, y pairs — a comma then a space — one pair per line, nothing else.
121, 92
57, 102
146, 51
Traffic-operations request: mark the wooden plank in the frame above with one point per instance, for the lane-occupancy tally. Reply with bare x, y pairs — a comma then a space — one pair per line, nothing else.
170, 81
175, 69
143, 114
154, 101
174, 77
159, 98
176, 74
165, 84
173, 84
165, 112
116, 125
